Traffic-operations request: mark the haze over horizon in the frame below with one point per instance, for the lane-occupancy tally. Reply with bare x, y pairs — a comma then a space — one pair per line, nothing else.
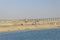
21, 9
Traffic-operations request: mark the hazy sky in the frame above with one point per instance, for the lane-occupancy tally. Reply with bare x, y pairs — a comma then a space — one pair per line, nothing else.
20, 9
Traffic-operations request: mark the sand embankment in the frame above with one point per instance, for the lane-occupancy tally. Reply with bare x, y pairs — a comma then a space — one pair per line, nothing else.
19, 25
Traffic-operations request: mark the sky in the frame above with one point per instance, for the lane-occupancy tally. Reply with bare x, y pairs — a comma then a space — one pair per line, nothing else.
21, 9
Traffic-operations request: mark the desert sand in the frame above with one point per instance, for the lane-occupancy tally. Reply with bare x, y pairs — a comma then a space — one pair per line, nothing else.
28, 24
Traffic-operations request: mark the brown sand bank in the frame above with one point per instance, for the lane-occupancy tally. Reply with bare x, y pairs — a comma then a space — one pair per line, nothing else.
19, 25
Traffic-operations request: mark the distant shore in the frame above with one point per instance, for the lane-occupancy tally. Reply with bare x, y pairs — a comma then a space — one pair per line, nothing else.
35, 24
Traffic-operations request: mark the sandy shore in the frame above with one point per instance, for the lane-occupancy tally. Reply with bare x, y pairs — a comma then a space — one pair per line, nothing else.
19, 25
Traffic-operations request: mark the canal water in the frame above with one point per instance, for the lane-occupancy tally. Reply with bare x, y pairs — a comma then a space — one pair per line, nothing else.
50, 34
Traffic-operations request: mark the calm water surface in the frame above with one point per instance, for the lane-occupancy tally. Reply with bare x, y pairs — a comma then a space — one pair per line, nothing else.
51, 34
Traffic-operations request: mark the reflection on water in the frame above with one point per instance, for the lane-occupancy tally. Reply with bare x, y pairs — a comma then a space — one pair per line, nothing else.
51, 34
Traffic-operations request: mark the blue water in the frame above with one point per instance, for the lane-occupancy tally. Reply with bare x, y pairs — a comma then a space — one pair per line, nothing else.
51, 34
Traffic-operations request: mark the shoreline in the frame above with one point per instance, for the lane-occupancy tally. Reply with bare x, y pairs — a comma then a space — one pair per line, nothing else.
21, 25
